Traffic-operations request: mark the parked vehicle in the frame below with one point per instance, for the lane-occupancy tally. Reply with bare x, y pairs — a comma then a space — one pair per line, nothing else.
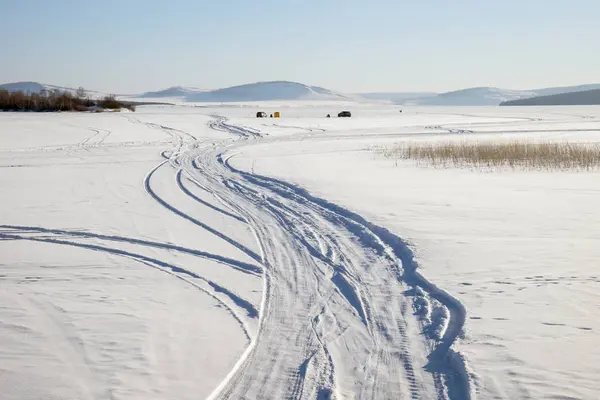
344, 114
261, 114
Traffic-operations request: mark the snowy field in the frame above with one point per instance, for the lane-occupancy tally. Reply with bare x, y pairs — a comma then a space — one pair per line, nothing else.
196, 251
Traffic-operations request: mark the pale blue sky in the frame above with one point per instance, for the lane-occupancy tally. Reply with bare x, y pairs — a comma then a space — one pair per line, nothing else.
129, 46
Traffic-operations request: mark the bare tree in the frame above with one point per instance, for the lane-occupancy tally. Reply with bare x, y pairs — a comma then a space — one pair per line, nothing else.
81, 93
55, 100
4, 99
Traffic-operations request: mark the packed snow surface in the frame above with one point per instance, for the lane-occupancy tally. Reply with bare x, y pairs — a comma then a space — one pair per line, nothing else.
199, 252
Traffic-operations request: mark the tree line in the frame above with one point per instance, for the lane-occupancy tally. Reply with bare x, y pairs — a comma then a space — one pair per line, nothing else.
55, 100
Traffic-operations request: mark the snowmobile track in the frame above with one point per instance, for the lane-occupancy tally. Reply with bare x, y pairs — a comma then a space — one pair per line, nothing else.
335, 290
179, 272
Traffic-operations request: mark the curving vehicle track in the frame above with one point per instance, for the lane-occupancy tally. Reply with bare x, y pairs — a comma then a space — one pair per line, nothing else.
345, 313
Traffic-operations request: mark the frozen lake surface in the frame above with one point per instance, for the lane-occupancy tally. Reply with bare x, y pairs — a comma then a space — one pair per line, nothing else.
199, 252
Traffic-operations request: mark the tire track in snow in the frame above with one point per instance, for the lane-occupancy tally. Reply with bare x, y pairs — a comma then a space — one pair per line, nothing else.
448, 369
303, 313
176, 211
351, 293
443, 359
276, 338
303, 234
84, 142
205, 203
238, 265
162, 266
219, 123
309, 378
313, 341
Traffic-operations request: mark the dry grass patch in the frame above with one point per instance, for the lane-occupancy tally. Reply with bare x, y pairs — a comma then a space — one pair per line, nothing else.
517, 154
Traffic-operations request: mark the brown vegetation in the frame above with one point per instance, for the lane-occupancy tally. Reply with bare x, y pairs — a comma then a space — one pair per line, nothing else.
55, 101
546, 156
111, 103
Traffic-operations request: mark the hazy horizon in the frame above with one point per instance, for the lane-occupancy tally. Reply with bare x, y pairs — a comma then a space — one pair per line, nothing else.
387, 46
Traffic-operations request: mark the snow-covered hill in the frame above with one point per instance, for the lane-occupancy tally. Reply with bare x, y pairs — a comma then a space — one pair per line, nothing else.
290, 91
396, 97
566, 89
586, 97
27, 87
259, 91
36, 87
172, 92
490, 96
265, 91
479, 96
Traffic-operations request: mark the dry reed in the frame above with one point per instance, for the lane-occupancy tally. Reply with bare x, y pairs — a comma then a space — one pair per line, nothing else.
517, 154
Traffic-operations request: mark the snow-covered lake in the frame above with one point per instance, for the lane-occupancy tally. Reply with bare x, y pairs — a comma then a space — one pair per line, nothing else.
199, 252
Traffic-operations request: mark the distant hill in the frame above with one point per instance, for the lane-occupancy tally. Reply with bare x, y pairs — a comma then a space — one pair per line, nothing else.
174, 91
491, 96
587, 97
26, 87
566, 89
265, 91
396, 97
259, 91
285, 90
478, 96
36, 87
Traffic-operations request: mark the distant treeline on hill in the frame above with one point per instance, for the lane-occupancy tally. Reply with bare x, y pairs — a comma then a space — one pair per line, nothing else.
584, 98
55, 100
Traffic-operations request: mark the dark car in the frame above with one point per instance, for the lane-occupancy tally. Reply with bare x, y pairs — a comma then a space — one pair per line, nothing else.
261, 114
344, 114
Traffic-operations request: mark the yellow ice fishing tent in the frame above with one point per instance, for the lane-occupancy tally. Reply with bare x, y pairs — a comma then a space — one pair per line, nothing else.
276, 114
